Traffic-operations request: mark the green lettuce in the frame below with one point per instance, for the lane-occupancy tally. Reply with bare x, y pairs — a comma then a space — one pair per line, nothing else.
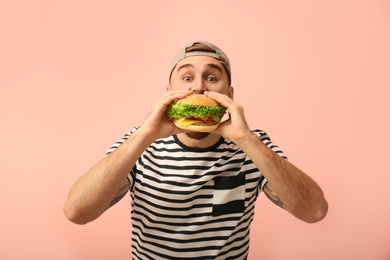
188, 111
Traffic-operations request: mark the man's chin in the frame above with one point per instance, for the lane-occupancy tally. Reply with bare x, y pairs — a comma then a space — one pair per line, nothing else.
197, 135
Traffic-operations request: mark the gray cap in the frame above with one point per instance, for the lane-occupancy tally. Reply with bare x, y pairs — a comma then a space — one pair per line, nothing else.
202, 49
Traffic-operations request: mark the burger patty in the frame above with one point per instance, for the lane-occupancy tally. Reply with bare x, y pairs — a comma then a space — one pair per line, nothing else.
205, 123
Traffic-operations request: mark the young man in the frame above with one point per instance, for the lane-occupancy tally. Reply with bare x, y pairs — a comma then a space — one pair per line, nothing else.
193, 194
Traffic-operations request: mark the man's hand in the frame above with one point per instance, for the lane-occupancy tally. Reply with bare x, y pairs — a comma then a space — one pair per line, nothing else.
157, 125
236, 126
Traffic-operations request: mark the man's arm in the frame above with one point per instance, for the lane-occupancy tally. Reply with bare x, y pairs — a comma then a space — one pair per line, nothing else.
120, 194
287, 186
106, 182
272, 196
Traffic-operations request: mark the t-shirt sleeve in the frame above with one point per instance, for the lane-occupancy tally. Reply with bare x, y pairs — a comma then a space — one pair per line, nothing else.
267, 141
131, 175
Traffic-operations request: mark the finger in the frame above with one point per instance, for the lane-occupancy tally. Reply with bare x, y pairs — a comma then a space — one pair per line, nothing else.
168, 98
222, 99
171, 96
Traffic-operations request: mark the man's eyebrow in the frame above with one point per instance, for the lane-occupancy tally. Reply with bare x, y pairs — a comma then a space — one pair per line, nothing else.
209, 66
214, 66
185, 66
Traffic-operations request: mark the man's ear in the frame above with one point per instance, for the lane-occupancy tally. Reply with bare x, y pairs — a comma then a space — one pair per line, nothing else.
168, 87
231, 92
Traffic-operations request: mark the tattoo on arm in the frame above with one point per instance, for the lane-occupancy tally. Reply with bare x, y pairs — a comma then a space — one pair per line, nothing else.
271, 194
120, 194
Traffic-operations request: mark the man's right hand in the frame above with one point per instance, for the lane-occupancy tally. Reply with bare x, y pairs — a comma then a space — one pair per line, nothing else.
157, 125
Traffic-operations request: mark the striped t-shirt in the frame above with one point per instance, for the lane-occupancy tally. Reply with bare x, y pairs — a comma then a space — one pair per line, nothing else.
190, 203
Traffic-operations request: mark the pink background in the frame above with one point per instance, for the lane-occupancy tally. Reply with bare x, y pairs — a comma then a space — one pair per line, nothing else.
76, 75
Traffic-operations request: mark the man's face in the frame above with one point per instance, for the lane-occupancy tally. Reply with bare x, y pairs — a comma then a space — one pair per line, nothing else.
199, 74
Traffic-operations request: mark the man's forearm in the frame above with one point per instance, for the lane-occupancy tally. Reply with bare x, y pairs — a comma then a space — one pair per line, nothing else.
105, 183
300, 194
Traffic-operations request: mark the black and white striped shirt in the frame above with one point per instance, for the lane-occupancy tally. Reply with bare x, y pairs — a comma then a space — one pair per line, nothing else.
192, 203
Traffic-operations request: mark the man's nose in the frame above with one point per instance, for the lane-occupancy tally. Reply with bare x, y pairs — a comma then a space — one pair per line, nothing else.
199, 87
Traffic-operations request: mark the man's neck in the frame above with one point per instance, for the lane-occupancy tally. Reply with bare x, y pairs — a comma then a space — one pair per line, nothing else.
206, 142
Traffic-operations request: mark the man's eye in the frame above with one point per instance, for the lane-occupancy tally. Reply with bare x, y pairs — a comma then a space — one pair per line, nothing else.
211, 78
187, 78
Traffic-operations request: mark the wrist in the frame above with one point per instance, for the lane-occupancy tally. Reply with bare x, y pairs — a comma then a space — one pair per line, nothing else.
145, 137
245, 139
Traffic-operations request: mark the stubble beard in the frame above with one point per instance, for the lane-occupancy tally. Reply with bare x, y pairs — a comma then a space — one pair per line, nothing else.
197, 135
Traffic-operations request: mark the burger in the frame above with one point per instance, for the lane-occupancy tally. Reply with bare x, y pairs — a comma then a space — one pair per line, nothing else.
196, 112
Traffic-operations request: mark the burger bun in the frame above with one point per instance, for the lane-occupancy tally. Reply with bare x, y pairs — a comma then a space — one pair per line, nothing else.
198, 127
